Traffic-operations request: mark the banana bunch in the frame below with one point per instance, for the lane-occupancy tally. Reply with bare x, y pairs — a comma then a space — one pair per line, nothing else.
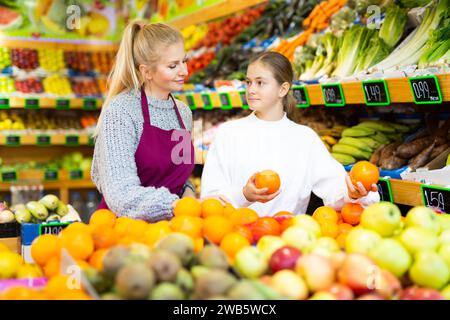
359, 142
330, 136
193, 34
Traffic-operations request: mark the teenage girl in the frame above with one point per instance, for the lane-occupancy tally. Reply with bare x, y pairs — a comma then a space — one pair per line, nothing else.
143, 152
267, 139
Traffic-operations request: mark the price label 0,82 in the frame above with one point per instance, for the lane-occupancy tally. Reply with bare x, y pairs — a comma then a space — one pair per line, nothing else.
206, 99
425, 90
376, 93
437, 198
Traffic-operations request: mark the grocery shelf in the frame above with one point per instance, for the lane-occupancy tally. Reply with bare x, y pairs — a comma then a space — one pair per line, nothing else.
69, 139
212, 12
49, 44
50, 103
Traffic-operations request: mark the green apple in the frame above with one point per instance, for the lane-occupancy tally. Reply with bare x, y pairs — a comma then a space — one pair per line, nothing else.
251, 263
429, 270
416, 239
382, 217
361, 240
289, 284
446, 292
325, 246
391, 255
444, 221
423, 217
444, 252
269, 244
444, 237
299, 238
307, 222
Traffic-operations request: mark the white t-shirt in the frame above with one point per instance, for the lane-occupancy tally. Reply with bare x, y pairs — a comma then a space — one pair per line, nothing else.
243, 147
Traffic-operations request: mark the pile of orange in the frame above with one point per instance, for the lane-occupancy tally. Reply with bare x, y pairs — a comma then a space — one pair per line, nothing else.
337, 224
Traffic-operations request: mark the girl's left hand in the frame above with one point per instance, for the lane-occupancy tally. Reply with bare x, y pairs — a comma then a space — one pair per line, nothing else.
358, 191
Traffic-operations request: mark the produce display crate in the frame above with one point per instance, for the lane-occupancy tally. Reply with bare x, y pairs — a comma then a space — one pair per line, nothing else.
10, 236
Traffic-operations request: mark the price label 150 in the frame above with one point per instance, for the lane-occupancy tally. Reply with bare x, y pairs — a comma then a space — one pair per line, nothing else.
244, 101
437, 198
4, 103
333, 95
225, 100
426, 90
376, 93
301, 96
191, 101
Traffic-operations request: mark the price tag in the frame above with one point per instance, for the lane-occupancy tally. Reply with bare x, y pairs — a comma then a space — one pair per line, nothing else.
301, 96
43, 140
437, 198
9, 176
191, 101
90, 104
333, 95
32, 103
52, 228
206, 99
384, 190
4, 103
72, 140
76, 174
51, 175
225, 101
243, 99
63, 104
376, 93
13, 140
426, 90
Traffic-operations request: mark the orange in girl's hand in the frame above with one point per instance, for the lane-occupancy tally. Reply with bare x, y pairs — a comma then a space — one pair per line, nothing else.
103, 218
265, 226
324, 213
192, 226
188, 206
244, 231
44, 248
365, 172
212, 207
216, 227
268, 179
232, 243
351, 213
243, 216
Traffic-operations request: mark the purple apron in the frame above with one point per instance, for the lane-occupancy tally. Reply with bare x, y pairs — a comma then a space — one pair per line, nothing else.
154, 162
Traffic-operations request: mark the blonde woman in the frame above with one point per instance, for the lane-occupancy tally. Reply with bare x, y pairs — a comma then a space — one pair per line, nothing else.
143, 152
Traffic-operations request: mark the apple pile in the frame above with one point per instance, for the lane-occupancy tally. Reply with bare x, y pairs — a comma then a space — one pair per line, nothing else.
385, 257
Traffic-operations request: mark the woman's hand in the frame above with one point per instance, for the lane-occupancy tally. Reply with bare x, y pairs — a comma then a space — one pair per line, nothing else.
358, 191
253, 194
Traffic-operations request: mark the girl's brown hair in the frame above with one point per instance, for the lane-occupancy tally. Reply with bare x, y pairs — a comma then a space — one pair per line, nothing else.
282, 71
142, 43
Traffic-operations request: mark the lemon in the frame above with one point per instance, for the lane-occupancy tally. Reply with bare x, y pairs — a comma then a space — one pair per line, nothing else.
29, 271
9, 264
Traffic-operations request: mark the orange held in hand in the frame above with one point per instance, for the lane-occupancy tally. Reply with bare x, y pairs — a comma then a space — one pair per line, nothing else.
268, 179
188, 207
351, 213
366, 173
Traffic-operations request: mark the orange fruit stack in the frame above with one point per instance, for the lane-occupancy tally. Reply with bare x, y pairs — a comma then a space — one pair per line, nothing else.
332, 223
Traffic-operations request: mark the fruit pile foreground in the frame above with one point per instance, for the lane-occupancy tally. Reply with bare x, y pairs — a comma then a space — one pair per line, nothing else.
371, 253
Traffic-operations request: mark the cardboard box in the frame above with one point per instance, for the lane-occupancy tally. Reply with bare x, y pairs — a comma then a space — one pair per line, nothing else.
10, 235
435, 172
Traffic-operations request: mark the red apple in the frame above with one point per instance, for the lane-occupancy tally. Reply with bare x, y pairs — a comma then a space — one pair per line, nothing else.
284, 258
359, 273
341, 292
418, 293
388, 286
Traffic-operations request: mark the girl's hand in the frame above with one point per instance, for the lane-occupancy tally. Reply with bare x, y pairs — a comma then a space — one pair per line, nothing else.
358, 191
224, 200
253, 194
